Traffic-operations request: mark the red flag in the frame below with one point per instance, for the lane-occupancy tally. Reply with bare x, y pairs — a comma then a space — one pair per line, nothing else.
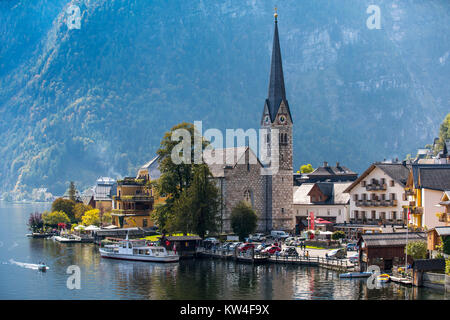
409, 214
311, 220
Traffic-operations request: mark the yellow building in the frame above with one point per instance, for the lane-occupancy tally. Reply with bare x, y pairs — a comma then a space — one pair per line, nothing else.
134, 201
424, 188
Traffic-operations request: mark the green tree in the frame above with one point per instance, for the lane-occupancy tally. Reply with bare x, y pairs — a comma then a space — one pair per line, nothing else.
446, 244
243, 220
196, 210
72, 191
65, 206
175, 177
91, 217
338, 235
306, 168
79, 210
417, 249
53, 218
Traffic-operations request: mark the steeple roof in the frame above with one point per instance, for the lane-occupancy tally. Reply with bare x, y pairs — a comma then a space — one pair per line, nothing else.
277, 92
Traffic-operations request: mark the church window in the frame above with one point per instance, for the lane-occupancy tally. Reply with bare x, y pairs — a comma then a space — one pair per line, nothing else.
248, 197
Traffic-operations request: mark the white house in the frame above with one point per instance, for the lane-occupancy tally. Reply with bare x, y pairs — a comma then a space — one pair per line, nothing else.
326, 200
377, 196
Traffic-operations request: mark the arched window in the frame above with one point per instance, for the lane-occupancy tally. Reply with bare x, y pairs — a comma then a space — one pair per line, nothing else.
248, 197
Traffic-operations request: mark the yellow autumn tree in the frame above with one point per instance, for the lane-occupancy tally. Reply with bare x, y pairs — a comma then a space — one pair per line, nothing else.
91, 217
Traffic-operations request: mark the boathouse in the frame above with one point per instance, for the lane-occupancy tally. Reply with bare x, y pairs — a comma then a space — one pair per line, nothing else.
185, 246
385, 249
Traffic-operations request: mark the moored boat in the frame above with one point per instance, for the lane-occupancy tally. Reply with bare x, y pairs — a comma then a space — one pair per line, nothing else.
383, 278
67, 238
355, 275
137, 250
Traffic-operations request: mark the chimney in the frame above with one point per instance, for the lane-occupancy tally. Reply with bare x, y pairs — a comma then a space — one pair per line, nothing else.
325, 164
337, 164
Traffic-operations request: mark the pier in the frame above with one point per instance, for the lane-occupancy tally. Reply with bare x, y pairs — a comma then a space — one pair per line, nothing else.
341, 265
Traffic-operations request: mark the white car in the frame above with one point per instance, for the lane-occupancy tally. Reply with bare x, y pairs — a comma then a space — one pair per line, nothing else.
353, 258
212, 240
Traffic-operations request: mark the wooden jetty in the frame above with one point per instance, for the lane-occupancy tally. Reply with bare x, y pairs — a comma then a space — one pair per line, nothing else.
248, 257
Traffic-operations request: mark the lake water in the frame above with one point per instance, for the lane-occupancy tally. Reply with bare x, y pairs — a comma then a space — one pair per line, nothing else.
189, 279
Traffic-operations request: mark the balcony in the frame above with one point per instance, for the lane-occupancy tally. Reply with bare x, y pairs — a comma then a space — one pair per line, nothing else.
376, 186
414, 210
130, 212
409, 192
134, 198
388, 203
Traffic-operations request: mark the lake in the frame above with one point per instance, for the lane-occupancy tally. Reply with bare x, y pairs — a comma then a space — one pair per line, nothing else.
189, 279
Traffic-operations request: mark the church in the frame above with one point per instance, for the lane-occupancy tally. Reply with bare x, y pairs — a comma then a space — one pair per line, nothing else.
271, 196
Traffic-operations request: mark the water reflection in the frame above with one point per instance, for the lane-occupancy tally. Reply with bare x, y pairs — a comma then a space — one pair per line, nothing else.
189, 279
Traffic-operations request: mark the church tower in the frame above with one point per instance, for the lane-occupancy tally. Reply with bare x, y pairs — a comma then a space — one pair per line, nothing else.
277, 115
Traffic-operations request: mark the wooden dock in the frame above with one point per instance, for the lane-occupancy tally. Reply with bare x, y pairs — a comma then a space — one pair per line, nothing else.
333, 264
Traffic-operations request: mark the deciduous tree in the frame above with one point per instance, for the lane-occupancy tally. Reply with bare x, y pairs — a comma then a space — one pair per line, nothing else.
243, 220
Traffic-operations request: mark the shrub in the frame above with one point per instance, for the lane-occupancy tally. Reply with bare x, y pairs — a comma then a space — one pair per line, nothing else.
243, 220
417, 249
447, 267
338, 235
54, 218
446, 245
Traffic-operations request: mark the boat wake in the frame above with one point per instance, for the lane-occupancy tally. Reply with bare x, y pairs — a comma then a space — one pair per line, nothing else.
26, 265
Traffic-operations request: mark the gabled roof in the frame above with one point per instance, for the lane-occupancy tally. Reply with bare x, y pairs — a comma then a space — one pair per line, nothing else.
335, 191
397, 171
396, 239
442, 231
228, 158
431, 176
330, 170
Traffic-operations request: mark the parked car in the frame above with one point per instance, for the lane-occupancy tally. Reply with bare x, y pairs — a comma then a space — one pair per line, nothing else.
258, 237
289, 241
340, 253
246, 246
354, 258
289, 252
260, 247
212, 240
271, 250
233, 245
279, 234
352, 247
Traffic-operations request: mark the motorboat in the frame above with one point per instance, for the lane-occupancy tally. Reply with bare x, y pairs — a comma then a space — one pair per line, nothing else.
137, 250
67, 238
42, 267
383, 278
355, 275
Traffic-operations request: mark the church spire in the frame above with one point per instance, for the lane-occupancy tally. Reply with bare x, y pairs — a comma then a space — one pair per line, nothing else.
277, 92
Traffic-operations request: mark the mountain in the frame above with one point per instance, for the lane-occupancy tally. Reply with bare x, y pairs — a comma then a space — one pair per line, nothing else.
76, 104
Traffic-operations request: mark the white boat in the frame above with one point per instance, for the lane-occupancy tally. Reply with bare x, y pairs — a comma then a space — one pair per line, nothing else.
355, 275
67, 238
137, 250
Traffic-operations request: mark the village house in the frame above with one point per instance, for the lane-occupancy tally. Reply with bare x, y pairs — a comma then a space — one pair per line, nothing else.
325, 200
377, 196
424, 188
326, 173
133, 202
435, 236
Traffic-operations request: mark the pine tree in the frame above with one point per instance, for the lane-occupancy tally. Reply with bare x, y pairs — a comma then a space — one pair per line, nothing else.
72, 191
